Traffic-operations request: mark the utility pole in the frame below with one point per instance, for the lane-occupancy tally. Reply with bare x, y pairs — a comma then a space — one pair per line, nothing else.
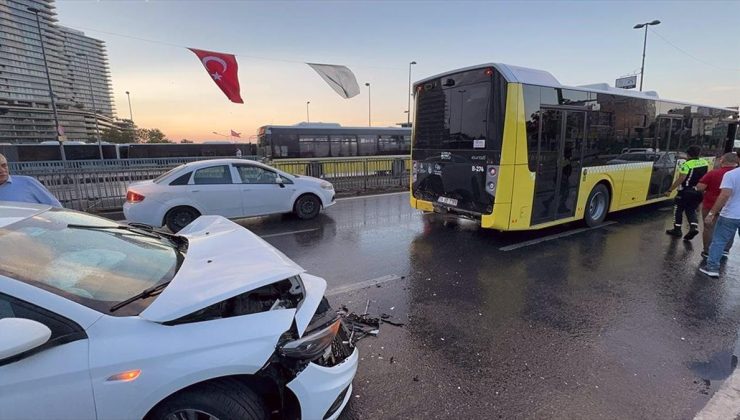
369, 114
57, 133
408, 107
95, 110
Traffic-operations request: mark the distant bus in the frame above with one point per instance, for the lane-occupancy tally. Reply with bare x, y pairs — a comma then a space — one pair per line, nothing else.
320, 140
513, 149
90, 151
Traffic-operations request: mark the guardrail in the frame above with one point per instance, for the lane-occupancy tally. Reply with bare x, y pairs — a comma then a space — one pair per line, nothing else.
87, 186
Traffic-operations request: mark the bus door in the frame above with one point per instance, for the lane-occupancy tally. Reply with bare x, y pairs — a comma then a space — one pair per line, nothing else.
559, 163
667, 137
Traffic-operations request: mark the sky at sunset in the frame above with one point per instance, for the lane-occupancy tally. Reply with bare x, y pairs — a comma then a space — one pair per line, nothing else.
578, 42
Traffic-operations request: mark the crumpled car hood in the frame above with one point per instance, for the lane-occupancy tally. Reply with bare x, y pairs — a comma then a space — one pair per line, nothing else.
223, 260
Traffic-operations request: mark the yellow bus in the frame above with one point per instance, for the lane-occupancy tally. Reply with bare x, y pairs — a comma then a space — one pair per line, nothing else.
514, 149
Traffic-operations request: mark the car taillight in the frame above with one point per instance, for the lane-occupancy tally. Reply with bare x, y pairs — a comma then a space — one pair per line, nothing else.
133, 197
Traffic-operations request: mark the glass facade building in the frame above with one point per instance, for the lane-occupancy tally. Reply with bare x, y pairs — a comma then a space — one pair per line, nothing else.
25, 103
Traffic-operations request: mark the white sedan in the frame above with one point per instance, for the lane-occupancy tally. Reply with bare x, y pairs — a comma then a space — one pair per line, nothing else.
232, 188
102, 320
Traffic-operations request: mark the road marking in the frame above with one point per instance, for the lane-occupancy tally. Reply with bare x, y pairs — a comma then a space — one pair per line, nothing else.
362, 285
551, 237
272, 235
371, 196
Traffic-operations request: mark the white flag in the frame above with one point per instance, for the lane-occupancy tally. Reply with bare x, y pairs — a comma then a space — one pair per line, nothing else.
340, 78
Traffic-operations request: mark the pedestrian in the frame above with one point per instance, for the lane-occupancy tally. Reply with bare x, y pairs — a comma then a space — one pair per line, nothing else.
709, 185
238, 153
688, 198
23, 188
725, 216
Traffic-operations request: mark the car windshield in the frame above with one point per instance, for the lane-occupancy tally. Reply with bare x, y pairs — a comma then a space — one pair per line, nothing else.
94, 267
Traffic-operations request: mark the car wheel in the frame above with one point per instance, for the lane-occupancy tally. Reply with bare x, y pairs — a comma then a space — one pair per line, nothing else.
597, 205
307, 206
179, 217
218, 400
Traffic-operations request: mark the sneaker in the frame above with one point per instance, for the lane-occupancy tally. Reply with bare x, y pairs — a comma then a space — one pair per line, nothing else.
725, 254
676, 231
692, 233
704, 254
708, 272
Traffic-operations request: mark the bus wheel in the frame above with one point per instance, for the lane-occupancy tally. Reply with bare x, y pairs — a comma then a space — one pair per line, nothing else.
597, 205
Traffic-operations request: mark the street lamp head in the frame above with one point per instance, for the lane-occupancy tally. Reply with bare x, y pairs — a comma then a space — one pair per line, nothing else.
367, 84
33, 10
655, 22
638, 26
412, 63
127, 92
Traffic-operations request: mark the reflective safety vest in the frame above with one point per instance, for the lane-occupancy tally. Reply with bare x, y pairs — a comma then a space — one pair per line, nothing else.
694, 169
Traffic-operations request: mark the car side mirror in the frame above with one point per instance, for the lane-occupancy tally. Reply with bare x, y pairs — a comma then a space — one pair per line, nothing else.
19, 335
280, 181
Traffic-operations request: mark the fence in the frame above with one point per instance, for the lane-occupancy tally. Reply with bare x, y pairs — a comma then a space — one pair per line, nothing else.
101, 185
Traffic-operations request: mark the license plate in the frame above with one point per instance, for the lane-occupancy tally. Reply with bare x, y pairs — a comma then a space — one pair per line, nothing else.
448, 201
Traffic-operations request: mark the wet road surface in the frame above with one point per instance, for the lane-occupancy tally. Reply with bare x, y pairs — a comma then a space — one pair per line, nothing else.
567, 323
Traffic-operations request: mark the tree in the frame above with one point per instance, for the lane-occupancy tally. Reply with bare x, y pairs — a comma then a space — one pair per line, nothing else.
152, 135
114, 135
186, 141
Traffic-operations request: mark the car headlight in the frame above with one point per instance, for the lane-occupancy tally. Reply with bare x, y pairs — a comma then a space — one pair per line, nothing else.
327, 186
312, 345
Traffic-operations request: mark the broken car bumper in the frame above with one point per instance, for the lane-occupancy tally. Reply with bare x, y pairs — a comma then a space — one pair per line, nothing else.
324, 391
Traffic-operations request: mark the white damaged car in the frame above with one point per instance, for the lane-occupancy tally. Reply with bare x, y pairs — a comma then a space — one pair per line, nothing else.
109, 321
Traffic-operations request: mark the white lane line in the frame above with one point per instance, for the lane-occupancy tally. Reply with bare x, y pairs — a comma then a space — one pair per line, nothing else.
552, 237
362, 285
272, 235
371, 196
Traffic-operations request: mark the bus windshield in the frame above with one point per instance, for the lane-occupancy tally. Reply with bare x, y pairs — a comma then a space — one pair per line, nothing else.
453, 118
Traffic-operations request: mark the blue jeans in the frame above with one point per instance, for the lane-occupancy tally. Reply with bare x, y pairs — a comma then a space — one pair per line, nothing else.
724, 231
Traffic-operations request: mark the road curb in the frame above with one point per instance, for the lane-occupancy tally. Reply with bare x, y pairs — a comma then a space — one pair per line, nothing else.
725, 404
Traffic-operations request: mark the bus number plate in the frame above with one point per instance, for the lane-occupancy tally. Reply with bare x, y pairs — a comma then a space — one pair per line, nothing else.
448, 201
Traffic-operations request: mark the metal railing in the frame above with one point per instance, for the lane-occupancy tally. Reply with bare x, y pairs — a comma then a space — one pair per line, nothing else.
96, 186
96, 164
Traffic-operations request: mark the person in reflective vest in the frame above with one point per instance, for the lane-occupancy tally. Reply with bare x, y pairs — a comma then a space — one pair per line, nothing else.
688, 198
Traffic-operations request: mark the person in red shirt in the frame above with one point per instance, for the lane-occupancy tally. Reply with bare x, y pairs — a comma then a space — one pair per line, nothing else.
709, 184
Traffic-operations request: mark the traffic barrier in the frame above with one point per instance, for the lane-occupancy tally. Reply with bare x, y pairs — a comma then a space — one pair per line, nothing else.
97, 186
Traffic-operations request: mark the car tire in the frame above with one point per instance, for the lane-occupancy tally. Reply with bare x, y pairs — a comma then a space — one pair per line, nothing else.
179, 217
597, 205
222, 399
307, 206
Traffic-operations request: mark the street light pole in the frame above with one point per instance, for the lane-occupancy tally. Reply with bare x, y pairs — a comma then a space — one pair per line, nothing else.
130, 114
36, 11
644, 46
95, 109
408, 107
308, 116
369, 120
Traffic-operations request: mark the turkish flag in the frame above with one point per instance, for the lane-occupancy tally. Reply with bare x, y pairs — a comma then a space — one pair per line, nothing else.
235, 134
223, 70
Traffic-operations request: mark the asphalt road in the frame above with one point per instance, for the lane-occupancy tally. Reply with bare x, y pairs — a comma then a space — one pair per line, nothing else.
613, 322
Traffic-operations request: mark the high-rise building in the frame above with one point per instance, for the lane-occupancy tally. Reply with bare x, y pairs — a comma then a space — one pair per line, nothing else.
25, 103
